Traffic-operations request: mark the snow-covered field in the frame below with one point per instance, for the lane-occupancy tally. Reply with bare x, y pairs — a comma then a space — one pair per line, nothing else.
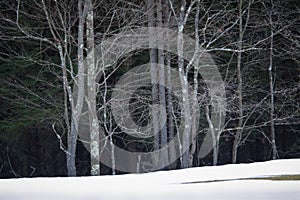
165, 185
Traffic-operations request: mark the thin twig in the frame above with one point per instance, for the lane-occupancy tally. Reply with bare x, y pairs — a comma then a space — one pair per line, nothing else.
33, 171
61, 145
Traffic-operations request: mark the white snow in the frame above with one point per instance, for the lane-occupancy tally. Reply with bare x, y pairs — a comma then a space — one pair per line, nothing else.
165, 185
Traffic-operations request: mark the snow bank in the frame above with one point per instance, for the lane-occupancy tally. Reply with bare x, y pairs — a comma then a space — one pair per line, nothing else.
165, 184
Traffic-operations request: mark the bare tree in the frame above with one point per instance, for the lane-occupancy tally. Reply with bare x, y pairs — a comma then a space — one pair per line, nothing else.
59, 19
91, 96
238, 134
271, 83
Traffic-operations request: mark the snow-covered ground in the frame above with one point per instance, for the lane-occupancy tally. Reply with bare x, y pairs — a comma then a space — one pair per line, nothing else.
165, 185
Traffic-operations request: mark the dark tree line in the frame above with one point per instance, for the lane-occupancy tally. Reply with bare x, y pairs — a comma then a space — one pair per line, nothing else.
47, 83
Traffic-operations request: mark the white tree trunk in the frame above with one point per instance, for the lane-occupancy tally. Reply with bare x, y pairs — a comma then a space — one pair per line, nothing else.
91, 91
215, 137
238, 134
185, 98
76, 111
271, 84
195, 89
169, 100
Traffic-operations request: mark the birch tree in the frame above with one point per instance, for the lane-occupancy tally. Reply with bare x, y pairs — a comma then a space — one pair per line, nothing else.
238, 134
58, 20
271, 85
92, 93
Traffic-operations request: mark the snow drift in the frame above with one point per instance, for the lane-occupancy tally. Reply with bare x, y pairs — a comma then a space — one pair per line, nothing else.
218, 182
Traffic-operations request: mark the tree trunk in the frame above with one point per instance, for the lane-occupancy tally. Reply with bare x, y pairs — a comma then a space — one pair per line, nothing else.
271, 83
195, 89
162, 94
215, 137
91, 91
169, 100
76, 111
238, 134
185, 95
72, 143
153, 65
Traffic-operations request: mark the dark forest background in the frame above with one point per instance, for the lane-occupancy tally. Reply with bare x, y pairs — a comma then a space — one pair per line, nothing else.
32, 91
